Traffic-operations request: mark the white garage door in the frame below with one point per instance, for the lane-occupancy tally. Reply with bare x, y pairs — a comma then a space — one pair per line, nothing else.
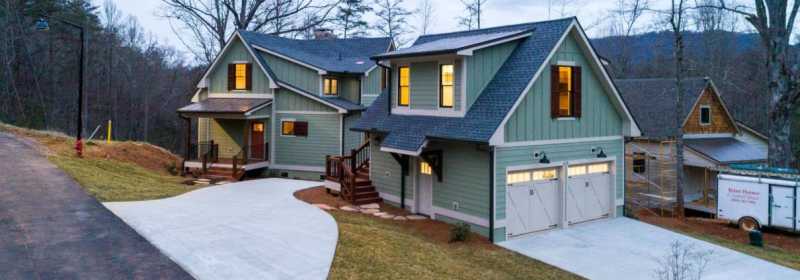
532, 200
588, 192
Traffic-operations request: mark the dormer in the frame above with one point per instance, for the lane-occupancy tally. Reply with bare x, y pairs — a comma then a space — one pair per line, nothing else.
443, 75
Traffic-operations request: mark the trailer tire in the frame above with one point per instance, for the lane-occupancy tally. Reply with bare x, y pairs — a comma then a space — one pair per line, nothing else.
748, 224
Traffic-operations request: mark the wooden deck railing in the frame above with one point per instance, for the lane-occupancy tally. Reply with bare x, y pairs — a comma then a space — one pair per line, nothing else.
344, 169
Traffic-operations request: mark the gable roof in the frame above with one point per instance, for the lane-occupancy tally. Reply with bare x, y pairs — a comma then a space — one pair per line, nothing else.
455, 44
331, 55
409, 133
726, 150
652, 102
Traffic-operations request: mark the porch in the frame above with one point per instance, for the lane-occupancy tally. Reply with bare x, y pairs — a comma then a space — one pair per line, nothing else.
231, 139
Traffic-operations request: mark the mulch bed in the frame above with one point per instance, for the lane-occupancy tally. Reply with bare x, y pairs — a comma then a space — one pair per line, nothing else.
433, 230
722, 229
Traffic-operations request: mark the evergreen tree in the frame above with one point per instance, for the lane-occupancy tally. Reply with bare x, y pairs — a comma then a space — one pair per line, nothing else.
392, 20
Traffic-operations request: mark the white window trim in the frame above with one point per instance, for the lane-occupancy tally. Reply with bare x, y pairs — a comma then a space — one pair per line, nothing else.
245, 62
337, 86
397, 99
700, 119
439, 86
281, 127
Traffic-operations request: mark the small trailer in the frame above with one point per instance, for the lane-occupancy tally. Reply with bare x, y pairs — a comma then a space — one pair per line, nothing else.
756, 201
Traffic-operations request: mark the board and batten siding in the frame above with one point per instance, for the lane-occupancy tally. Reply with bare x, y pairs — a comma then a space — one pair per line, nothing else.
350, 88
523, 155
531, 121
229, 135
385, 173
482, 67
371, 87
424, 84
323, 139
465, 180
237, 52
286, 100
297, 75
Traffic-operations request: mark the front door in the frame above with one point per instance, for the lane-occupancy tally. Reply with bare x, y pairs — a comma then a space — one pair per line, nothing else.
425, 189
257, 140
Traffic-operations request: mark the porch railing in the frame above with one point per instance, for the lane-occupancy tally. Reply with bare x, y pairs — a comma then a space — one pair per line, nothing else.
344, 169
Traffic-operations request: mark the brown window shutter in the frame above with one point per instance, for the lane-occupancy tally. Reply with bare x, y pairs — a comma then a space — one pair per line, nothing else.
554, 91
576, 89
231, 76
249, 76
301, 128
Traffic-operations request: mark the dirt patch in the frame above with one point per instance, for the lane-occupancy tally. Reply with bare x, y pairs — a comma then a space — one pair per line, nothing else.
436, 231
722, 229
151, 157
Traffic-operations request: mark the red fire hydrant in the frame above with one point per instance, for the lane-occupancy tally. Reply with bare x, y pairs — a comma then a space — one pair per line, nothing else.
79, 147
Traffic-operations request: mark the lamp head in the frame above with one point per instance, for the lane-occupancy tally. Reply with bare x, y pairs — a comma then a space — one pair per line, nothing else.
42, 24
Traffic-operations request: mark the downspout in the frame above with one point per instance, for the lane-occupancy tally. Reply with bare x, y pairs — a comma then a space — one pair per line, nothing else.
491, 194
388, 86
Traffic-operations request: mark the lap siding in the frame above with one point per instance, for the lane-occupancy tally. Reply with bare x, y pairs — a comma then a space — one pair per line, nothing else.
323, 139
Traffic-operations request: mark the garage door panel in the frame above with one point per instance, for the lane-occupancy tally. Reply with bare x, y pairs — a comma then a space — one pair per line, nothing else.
544, 206
518, 209
576, 195
588, 193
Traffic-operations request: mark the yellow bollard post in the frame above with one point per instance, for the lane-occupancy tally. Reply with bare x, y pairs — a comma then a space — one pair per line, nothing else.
108, 134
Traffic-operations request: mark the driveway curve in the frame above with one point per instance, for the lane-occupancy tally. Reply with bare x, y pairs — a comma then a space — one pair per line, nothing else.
248, 230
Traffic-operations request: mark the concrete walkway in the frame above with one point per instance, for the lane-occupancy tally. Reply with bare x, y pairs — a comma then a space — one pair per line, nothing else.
248, 230
51, 229
623, 248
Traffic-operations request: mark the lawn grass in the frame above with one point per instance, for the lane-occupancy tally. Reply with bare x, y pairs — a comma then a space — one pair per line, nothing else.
120, 171
371, 248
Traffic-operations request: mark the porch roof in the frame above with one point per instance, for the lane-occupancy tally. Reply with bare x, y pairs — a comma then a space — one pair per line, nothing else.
726, 150
237, 106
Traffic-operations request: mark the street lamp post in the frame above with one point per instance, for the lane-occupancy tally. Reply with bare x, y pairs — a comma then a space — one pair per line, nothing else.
43, 25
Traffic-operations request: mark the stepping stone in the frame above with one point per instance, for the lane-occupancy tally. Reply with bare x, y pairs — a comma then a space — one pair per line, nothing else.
324, 207
203, 180
416, 217
222, 182
370, 211
349, 208
399, 218
380, 214
370, 206
387, 216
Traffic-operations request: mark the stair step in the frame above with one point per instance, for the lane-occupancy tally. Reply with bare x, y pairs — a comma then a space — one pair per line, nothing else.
364, 195
362, 201
361, 189
361, 183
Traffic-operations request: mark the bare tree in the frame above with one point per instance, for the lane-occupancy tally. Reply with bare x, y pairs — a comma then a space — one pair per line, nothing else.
350, 18
206, 24
625, 17
426, 16
676, 18
474, 9
562, 7
774, 21
392, 20
682, 262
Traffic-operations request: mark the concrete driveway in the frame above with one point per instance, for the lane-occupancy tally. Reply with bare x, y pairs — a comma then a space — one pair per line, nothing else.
623, 248
248, 230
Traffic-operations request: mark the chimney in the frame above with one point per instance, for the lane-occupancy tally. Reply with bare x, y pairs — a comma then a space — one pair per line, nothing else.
323, 34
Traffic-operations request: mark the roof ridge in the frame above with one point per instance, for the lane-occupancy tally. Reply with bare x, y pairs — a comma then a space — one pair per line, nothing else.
308, 40
496, 27
658, 79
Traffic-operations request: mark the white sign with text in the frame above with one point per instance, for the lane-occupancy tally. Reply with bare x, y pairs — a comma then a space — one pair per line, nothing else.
743, 199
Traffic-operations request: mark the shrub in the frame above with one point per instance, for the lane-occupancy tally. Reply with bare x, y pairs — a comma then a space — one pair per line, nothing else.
172, 168
459, 232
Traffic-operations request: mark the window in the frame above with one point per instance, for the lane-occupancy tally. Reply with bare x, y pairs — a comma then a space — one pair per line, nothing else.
294, 128
576, 170
518, 177
639, 162
705, 115
446, 82
258, 127
565, 92
239, 76
598, 168
403, 89
330, 87
425, 168
547, 174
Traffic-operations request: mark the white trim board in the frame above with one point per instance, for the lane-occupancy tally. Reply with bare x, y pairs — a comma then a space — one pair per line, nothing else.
295, 61
308, 112
406, 152
298, 167
561, 141
311, 96
460, 216
204, 81
396, 199
471, 51
241, 95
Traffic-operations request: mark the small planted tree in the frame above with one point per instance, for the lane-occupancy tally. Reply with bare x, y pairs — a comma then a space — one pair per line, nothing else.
682, 261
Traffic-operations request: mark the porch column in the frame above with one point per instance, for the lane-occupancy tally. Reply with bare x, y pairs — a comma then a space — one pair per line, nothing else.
188, 138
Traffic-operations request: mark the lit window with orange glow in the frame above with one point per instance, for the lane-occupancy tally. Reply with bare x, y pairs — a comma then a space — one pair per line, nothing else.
403, 89
565, 91
446, 86
240, 77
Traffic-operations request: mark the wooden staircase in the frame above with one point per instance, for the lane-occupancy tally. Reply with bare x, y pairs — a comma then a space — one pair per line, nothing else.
352, 174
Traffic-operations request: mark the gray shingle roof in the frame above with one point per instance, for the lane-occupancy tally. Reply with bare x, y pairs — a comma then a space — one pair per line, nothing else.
224, 105
449, 45
483, 118
652, 103
726, 150
332, 55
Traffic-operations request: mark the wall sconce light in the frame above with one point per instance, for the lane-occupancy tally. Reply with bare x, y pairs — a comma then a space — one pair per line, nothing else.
601, 153
542, 156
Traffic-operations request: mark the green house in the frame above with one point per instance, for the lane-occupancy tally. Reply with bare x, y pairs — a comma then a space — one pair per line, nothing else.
512, 129
276, 106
